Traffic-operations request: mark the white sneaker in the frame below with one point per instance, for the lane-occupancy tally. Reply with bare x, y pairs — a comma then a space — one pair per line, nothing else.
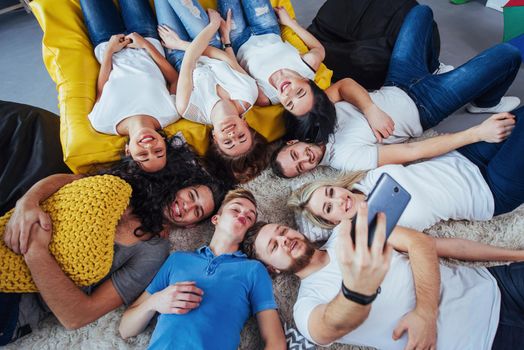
506, 104
443, 68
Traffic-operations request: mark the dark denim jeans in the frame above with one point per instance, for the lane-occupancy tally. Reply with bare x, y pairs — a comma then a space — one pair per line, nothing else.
250, 17
103, 19
502, 165
510, 332
185, 19
9, 303
484, 79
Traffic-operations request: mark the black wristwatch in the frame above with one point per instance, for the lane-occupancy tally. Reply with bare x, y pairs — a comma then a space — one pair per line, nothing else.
357, 297
227, 45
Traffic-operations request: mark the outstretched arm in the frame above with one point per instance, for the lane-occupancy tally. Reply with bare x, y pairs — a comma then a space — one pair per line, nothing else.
363, 270
465, 249
71, 306
169, 73
350, 91
494, 129
316, 53
27, 211
421, 323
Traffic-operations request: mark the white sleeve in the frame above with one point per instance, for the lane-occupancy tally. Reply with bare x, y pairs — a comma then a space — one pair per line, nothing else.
302, 310
356, 157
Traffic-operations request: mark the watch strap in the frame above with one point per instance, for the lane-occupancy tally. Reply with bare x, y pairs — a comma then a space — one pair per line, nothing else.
357, 297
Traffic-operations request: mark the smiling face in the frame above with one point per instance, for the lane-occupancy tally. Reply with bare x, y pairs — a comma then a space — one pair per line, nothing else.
236, 217
299, 157
294, 91
334, 204
190, 206
233, 136
283, 248
148, 148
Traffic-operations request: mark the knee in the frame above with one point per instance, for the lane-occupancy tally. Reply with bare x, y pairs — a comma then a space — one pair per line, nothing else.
511, 54
422, 11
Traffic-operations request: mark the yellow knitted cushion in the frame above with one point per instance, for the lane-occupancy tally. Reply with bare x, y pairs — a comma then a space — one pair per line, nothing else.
69, 59
85, 214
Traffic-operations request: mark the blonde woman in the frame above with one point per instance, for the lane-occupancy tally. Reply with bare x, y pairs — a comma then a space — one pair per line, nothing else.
447, 187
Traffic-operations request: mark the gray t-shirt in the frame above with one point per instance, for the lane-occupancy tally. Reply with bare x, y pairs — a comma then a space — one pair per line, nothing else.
133, 267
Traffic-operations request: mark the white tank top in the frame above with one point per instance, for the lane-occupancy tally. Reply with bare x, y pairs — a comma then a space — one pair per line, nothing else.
262, 55
207, 75
135, 86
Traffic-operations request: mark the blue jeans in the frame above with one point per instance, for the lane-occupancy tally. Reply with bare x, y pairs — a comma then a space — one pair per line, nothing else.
9, 303
484, 79
510, 280
249, 17
187, 20
103, 20
502, 165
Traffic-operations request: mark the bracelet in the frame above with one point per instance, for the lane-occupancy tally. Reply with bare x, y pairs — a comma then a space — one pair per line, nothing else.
357, 297
227, 45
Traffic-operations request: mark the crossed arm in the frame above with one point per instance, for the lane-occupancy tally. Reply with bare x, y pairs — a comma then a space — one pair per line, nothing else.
134, 40
29, 232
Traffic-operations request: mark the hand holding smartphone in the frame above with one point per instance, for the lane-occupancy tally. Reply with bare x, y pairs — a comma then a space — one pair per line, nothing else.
388, 197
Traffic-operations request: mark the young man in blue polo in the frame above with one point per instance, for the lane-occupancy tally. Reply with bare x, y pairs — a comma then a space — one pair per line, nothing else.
205, 297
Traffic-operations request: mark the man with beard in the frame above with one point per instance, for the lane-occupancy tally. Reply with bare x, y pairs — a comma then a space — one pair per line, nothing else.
340, 281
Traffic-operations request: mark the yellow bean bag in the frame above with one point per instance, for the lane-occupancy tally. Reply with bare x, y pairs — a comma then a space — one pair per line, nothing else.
85, 214
70, 61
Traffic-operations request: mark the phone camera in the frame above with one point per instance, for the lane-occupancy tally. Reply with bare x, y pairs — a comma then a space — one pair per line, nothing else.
395, 189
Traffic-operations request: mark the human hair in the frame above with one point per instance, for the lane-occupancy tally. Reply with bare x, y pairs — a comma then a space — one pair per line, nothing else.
152, 192
236, 194
276, 166
244, 167
248, 245
299, 199
316, 125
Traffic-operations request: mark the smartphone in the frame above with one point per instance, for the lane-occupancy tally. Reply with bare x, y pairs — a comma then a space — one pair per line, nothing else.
389, 198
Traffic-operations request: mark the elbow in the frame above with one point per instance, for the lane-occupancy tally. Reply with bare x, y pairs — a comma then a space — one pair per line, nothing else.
276, 344
73, 325
124, 334
321, 53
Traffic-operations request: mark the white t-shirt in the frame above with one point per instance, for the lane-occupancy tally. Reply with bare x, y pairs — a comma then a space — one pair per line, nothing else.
263, 55
353, 146
442, 188
135, 86
469, 305
209, 73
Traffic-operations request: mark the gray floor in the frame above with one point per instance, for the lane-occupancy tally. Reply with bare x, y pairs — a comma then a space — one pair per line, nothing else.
465, 31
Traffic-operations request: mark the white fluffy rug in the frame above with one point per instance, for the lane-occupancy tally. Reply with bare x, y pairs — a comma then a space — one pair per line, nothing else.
271, 194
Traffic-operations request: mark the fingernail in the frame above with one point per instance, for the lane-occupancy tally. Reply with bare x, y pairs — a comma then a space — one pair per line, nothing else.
363, 204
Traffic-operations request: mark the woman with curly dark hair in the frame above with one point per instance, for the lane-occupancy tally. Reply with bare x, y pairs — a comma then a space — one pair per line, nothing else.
182, 193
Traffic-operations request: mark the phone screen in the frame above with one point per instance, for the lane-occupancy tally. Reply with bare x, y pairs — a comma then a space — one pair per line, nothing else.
388, 197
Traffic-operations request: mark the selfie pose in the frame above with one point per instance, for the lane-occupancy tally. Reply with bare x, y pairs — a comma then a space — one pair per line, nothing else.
351, 293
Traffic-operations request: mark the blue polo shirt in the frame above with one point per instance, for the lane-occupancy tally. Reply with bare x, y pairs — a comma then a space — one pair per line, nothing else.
235, 288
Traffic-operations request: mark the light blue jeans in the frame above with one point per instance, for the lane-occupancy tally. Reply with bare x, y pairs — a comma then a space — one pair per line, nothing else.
250, 17
187, 20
